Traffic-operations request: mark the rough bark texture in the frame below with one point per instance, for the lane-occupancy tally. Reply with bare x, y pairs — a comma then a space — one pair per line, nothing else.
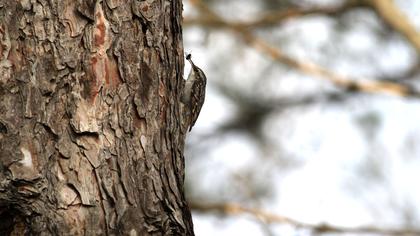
91, 127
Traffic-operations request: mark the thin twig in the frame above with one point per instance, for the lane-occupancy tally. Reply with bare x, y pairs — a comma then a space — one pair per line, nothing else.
363, 85
386, 9
236, 209
278, 16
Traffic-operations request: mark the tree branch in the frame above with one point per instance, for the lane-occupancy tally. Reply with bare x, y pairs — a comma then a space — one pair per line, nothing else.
307, 67
276, 17
236, 209
386, 10
393, 16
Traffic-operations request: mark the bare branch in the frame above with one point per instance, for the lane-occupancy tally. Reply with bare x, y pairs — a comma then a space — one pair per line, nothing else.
386, 9
307, 67
276, 17
391, 15
236, 209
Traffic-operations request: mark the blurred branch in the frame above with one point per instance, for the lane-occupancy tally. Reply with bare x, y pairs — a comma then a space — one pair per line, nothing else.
386, 9
393, 16
236, 209
307, 67
276, 17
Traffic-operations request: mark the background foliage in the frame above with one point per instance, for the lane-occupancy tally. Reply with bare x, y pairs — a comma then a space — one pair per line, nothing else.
311, 122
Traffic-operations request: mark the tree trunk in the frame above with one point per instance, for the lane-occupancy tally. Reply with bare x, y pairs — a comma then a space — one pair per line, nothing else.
91, 128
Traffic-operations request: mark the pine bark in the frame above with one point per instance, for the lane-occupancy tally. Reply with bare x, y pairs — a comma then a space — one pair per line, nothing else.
91, 127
